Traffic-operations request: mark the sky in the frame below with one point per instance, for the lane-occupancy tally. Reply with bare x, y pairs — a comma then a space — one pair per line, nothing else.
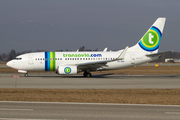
70, 24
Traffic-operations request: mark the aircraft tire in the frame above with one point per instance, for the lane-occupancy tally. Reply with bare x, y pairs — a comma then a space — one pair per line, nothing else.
25, 75
85, 74
89, 75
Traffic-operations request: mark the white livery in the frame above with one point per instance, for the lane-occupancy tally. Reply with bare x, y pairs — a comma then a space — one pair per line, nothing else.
144, 51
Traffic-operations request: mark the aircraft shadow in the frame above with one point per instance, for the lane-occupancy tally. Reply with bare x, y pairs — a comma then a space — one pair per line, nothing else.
110, 75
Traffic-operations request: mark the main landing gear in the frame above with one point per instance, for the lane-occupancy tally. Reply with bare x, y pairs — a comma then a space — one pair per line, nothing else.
87, 74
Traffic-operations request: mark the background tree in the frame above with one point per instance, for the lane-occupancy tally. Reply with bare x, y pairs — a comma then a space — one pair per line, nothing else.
82, 48
12, 55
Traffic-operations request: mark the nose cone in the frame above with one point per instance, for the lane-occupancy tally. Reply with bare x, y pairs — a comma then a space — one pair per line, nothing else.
9, 64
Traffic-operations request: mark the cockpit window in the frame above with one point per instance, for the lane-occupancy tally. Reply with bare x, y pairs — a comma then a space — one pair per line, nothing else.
17, 58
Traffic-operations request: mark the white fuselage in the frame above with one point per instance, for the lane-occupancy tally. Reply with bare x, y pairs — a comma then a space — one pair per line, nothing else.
39, 62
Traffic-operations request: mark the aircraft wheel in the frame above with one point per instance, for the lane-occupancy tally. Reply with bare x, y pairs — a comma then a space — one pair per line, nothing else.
85, 74
25, 75
89, 75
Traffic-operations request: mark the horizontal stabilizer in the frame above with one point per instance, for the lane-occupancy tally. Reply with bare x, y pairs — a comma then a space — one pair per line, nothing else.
157, 54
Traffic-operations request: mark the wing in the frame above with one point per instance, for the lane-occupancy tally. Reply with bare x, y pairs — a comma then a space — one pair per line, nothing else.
93, 65
98, 64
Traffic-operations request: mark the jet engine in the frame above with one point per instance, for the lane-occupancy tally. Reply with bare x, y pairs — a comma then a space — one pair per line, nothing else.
65, 69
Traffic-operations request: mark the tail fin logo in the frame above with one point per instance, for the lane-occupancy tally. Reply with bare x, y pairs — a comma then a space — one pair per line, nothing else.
151, 40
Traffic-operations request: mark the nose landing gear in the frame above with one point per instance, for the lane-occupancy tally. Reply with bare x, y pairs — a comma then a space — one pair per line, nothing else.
26, 75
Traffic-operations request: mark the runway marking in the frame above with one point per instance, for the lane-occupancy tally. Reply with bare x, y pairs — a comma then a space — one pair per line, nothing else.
15, 76
172, 113
74, 103
10, 109
28, 119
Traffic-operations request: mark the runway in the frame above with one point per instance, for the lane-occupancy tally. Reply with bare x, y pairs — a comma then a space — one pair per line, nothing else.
53, 81
80, 111
86, 111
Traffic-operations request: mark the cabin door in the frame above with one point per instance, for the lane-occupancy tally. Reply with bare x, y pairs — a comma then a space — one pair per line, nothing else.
132, 59
30, 59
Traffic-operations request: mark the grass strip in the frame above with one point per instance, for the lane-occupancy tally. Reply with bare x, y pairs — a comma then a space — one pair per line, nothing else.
126, 96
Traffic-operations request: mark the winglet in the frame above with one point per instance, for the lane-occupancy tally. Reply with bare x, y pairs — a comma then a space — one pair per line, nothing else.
121, 56
105, 49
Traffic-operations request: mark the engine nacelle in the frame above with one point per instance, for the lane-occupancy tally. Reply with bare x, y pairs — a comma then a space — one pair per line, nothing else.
65, 69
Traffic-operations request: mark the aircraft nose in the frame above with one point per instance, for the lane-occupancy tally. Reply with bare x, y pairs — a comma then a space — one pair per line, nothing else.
9, 64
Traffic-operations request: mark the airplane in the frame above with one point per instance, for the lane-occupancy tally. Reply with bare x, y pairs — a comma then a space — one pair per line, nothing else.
144, 51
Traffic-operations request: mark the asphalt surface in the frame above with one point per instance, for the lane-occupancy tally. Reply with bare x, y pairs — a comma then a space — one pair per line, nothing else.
3, 66
86, 111
53, 81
